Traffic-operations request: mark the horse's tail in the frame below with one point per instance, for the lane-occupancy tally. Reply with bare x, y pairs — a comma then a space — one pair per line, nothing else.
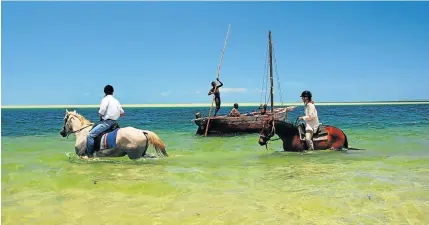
157, 143
346, 142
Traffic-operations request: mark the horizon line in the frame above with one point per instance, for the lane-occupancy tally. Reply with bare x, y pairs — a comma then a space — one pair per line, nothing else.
276, 104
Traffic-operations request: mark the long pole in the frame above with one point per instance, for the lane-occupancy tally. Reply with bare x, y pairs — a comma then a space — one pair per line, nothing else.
271, 71
218, 74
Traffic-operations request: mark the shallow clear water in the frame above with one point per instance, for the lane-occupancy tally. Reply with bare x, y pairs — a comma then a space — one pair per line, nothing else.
219, 180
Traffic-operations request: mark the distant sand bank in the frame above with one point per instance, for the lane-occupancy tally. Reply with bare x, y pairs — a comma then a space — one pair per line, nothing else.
209, 104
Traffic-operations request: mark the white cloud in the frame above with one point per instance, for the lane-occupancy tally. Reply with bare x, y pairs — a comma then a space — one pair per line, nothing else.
230, 90
166, 93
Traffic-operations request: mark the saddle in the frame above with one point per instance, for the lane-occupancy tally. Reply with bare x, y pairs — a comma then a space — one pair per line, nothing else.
103, 139
319, 135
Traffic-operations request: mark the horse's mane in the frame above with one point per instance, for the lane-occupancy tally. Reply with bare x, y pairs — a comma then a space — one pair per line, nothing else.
286, 124
83, 120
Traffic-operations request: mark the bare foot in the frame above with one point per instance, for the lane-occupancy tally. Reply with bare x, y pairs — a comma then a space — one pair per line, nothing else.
84, 157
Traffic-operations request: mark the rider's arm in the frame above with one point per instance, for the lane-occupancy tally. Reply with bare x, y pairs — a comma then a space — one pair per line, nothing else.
121, 110
103, 107
311, 113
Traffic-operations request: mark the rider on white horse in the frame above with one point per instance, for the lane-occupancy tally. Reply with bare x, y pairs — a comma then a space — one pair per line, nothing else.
110, 111
311, 119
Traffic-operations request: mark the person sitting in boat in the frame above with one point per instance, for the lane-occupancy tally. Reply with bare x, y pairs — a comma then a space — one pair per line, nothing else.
311, 119
263, 109
216, 94
234, 111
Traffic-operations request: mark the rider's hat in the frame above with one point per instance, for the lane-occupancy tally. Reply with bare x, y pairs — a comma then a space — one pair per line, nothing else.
306, 94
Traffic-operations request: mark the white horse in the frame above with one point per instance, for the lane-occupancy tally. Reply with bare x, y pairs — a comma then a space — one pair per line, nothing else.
129, 140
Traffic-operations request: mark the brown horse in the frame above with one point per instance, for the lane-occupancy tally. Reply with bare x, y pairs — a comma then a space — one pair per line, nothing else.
293, 136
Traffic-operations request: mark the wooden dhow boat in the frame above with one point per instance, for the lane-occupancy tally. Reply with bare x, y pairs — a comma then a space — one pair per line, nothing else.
246, 123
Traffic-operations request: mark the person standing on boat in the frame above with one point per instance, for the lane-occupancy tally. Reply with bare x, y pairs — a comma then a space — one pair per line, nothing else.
215, 91
311, 119
109, 112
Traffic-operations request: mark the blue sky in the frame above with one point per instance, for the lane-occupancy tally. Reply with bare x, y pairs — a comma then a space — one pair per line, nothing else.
168, 52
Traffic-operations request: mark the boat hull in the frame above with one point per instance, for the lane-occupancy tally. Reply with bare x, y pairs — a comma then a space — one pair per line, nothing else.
242, 124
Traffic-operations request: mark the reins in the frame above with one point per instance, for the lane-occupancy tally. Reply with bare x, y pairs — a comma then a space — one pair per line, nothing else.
273, 130
72, 132
272, 133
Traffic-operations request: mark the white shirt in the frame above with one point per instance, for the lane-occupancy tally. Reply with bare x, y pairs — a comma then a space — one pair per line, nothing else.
311, 119
110, 108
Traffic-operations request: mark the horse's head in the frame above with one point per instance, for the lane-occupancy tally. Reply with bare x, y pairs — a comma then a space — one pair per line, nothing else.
72, 122
267, 131
285, 130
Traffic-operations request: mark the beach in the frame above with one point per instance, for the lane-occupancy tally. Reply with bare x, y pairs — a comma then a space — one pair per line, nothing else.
219, 180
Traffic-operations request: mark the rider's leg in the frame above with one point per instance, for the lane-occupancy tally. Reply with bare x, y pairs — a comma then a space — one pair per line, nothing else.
97, 130
309, 139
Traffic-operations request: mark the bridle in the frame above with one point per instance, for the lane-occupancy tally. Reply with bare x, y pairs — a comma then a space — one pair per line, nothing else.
270, 135
66, 122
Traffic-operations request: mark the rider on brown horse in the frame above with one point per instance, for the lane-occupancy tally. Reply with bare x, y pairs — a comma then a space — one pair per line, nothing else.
311, 119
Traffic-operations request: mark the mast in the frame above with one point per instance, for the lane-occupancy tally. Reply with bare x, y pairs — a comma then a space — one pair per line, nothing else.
218, 74
271, 71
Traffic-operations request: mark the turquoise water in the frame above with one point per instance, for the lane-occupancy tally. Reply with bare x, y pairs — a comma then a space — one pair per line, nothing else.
219, 180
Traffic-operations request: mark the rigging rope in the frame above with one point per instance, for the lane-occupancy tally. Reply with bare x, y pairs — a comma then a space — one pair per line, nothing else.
265, 79
277, 75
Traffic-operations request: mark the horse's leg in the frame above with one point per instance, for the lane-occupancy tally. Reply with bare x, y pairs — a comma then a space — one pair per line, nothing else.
337, 145
136, 153
337, 139
112, 152
285, 146
293, 145
80, 145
